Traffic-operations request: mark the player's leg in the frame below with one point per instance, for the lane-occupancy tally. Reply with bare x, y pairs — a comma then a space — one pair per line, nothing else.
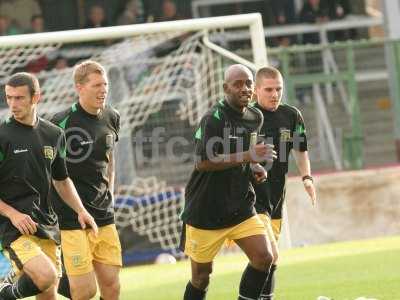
107, 260
78, 264
251, 237
277, 198
49, 294
201, 246
108, 280
35, 271
196, 288
63, 285
267, 292
53, 251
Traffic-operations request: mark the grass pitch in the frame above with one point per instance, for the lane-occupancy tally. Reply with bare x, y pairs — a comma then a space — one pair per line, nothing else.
340, 271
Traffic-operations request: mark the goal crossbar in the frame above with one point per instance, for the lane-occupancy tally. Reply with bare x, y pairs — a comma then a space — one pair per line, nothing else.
253, 21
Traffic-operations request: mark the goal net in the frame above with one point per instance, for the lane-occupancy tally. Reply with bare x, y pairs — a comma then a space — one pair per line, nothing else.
162, 77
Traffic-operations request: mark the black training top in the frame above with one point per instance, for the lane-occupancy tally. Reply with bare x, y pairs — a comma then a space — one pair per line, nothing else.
285, 129
90, 142
219, 199
30, 156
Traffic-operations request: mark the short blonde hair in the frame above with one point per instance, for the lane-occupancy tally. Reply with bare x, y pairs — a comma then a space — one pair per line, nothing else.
267, 72
85, 68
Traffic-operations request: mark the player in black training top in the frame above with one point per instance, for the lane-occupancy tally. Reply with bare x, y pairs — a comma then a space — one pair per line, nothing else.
219, 197
284, 127
91, 129
32, 154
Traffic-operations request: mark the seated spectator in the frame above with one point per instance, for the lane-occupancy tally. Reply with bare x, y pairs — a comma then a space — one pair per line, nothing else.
96, 17
313, 11
20, 11
132, 14
37, 24
169, 12
6, 28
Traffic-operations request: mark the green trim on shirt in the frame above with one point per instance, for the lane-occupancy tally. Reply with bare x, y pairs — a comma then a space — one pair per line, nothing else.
300, 129
198, 134
63, 123
216, 114
63, 152
73, 108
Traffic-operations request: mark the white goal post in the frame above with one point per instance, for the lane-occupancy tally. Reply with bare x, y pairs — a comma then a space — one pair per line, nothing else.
253, 21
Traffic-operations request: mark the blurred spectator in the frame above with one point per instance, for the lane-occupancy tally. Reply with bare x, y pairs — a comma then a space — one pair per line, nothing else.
339, 9
20, 11
37, 65
169, 12
37, 24
60, 15
313, 11
284, 11
6, 28
96, 17
132, 14
284, 14
60, 63
156, 11
41, 63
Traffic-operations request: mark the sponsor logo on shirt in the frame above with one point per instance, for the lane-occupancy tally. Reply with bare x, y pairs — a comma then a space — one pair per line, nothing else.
16, 151
86, 143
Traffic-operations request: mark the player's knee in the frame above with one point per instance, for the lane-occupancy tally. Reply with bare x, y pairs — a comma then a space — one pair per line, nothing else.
79, 292
45, 278
201, 279
275, 255
84, 294
49, 294
275, 258
262, 260
112, 289
116, 289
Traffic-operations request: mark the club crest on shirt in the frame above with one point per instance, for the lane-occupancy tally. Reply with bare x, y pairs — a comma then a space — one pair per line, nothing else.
284, 135
48, 152
253, 138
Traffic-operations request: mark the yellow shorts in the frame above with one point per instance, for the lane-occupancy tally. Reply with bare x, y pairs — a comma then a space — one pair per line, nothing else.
81, 247
203, 245
274, 224
27, 247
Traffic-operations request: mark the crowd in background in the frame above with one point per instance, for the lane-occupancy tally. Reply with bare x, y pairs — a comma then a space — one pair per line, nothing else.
34, 16
29, 16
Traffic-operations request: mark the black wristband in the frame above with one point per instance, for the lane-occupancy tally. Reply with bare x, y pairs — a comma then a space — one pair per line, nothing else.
307, 177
